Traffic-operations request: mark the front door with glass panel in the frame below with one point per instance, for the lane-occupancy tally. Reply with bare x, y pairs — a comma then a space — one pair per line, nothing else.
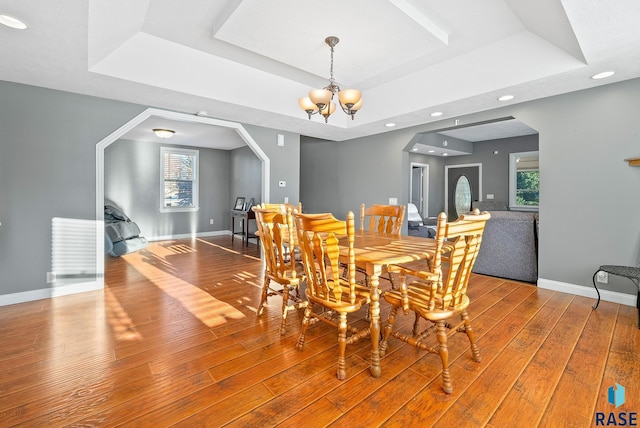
463, 187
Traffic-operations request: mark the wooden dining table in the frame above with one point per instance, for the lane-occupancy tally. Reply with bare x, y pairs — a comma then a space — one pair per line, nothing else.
375, 252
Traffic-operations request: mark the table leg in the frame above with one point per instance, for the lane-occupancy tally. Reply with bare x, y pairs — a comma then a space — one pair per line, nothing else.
244, 232
374, 312
233, 227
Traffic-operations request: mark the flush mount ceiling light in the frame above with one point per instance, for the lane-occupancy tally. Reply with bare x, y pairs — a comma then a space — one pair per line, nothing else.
603, 75
319, 100
390, 125
12, 22
505, 98
436, 114
164, 133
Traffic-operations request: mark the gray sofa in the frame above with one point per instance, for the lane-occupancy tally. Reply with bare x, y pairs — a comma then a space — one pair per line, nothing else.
509, 246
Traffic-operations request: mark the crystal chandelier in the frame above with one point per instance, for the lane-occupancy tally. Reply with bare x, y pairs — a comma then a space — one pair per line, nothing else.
319, 100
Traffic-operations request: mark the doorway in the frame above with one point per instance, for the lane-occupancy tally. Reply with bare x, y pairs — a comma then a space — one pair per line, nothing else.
115, 135
419, 188
453, 178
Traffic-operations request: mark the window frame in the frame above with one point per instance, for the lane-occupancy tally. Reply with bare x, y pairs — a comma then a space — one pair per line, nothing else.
513, 180
195, 182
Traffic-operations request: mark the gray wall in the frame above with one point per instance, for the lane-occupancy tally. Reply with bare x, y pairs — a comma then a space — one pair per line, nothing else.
495, 168
48, 169
246, 176
285, 162
132, 181
588, 193
246, 181
339, 176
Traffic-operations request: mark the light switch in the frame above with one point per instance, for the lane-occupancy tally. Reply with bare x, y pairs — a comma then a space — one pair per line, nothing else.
489, 196
393, 201
280, 140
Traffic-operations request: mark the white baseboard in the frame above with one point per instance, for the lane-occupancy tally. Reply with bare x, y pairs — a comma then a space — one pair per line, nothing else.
46, 293
580, 290
189, 235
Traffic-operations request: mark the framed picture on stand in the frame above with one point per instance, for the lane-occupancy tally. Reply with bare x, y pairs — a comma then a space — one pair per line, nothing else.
250, 204
239, 203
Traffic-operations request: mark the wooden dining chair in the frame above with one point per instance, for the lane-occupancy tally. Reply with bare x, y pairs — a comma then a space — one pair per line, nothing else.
318, 239
283, 207
386, 219
438, 294
382, 218
275, 230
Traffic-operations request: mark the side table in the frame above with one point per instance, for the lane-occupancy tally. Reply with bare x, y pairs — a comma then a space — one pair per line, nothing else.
244, 216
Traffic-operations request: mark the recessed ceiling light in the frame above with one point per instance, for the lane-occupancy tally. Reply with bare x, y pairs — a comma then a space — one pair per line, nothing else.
505, 98
390, 125
12, 22
445, 154
436, 114
431, 151
415, 149
603, 75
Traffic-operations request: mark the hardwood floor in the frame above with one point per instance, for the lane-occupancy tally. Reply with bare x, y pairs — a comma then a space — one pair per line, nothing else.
173, 340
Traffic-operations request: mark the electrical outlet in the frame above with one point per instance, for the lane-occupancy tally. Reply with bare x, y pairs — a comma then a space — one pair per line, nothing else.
602, 277
210, 221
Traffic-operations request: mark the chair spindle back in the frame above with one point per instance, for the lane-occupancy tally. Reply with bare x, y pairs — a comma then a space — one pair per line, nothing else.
318, 239
460, 240
382, 218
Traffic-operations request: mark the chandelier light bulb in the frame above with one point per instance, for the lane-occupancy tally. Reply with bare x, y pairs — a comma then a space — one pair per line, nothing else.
320, 97
349, 97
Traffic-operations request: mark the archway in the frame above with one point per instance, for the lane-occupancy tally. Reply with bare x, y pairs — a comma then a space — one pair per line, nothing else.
115, 135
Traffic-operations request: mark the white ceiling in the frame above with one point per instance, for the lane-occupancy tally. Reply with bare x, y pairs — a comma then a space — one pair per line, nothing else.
250, 60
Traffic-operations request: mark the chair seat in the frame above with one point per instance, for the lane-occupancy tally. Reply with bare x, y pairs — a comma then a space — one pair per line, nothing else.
625, 271
419, 302
344, 305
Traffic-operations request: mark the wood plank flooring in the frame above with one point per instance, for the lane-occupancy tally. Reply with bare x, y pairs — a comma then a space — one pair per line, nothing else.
173, 340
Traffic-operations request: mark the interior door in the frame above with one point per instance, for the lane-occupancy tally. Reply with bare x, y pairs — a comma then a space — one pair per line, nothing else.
416, 188
472, 173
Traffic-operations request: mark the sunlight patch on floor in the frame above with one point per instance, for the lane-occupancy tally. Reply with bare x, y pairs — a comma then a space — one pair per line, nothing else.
209, 310
121, 325
227, 249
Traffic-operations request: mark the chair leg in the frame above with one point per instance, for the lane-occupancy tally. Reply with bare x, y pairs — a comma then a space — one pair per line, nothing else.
444, 356
382, 347
285, 305
263, 298
303, 330
472, 337
342, 346
416, 325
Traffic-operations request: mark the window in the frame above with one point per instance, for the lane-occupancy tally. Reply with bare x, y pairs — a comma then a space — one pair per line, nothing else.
178, 180
524, 181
